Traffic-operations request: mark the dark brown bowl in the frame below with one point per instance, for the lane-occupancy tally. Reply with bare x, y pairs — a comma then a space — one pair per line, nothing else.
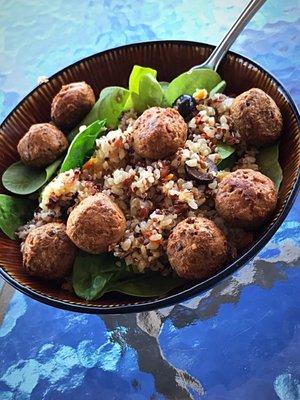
112, 67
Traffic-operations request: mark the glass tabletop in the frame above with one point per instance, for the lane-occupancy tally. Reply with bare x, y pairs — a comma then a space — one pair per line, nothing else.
241, 339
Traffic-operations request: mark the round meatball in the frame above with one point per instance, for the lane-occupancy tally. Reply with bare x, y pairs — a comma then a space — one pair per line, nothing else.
71, 104
246, 198
256, 117
196, 248
158, 133
48, 253
96, 224
41, 145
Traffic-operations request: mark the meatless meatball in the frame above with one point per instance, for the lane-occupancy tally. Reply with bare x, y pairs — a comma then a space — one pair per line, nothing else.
71, 104
41, 145
48, 253
246, 198
158, 133
196, 248
96, 224
256, 117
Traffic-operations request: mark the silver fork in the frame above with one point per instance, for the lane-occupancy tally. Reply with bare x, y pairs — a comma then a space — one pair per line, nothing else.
219, 52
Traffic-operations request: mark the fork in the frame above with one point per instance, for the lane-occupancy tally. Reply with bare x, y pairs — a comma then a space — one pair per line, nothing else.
219, 52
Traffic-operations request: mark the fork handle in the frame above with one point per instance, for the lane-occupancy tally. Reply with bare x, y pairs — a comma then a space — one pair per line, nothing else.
219, 52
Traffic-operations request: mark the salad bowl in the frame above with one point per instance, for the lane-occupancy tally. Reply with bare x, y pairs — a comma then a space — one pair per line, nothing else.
112, 68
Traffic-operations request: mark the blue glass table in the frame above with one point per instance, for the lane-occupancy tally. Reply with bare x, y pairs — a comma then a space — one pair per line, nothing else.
240, 340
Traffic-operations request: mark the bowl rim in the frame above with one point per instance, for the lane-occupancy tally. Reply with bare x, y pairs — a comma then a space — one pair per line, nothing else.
200, 287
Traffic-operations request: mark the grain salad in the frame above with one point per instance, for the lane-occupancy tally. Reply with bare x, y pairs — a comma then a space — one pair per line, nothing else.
155, 183
154, 196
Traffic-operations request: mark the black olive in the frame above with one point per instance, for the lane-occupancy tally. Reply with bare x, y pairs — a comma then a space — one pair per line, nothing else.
201, 177
185, 105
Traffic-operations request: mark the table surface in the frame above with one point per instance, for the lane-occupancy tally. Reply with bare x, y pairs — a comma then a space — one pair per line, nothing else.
241, 339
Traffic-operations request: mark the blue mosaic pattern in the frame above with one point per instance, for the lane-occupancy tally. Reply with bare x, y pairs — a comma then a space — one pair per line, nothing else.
241, 339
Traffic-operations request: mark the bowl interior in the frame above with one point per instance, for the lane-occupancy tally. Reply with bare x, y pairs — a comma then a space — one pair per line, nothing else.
112, 68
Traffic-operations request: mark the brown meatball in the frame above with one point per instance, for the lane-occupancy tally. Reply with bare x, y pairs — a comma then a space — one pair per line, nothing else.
246, 198
71, 104
196, 248
48, 253
158, 133
257, 117
96, 224
41, 145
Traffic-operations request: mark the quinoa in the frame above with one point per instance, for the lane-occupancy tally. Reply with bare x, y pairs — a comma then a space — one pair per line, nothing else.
153, 195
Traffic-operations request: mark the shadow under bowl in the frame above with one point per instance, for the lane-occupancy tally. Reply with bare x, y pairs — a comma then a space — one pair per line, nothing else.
110, 68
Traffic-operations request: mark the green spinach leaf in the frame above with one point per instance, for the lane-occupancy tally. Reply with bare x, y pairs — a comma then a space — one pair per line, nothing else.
164, 85
94, 275
92, 116
135, 78
150, 94
52, 168
227, 154
268, 164
82, 144
111, 104
91, 273
225, 150
23, 180
150, 284
136, 74
219, 88
14, 212
188, 82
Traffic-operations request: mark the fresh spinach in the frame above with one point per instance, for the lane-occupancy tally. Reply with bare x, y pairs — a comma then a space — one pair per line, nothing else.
111, 104
91, 273
94, 275
164, 85
227, 154
14, 212
136, 75
52, 168
219, 88
268, 164
150, 94
139, 94
82, 145
92, 116
149, 284
21, 179
188, 82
